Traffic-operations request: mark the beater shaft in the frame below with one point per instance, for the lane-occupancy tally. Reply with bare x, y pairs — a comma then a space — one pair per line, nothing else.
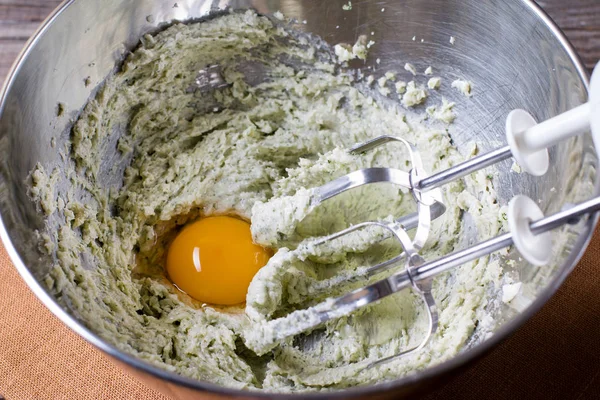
463, 169
433, 268
362, 297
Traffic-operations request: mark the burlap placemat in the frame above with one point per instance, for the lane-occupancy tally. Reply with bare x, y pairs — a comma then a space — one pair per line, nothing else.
556, 355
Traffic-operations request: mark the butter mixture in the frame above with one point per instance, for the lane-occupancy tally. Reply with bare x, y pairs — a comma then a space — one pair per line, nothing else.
150, 153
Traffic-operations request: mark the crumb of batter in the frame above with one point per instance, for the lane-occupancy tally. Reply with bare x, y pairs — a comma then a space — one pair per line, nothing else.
360, 48
434, 83
414, 95
346, 52
400, 87
510, 291
370, 80
516, 167
410, 68
463, 86
444, 112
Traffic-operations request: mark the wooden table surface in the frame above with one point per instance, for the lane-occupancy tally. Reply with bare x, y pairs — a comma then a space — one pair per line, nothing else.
579, 19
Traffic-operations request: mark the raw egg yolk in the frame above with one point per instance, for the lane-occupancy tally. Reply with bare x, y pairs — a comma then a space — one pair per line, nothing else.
214, 259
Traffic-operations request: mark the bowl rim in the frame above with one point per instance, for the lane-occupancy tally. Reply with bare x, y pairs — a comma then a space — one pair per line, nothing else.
436, 371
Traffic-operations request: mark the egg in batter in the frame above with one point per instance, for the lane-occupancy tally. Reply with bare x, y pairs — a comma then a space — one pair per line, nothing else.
214, 259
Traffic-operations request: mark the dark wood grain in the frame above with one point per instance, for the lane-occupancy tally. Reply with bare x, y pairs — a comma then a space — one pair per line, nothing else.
18, 20
580, 21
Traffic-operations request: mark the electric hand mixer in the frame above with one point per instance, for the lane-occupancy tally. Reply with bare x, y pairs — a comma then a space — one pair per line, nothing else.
529, 228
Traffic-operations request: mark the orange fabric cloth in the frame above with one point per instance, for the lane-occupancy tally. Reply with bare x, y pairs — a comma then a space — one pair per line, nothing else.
40, 358
556, 355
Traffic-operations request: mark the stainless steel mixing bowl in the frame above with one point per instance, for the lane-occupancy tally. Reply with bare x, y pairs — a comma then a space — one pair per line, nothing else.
509, 49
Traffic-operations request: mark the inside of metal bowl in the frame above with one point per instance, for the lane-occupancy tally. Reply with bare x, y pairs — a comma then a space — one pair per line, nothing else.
510, 52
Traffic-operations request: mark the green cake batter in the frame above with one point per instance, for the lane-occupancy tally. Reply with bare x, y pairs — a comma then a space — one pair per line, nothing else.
151, 152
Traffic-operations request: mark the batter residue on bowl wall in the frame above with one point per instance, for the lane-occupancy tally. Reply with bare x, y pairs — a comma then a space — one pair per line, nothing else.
149, 153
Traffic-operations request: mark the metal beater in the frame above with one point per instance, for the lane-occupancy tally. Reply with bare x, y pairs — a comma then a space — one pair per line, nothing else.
529, 228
